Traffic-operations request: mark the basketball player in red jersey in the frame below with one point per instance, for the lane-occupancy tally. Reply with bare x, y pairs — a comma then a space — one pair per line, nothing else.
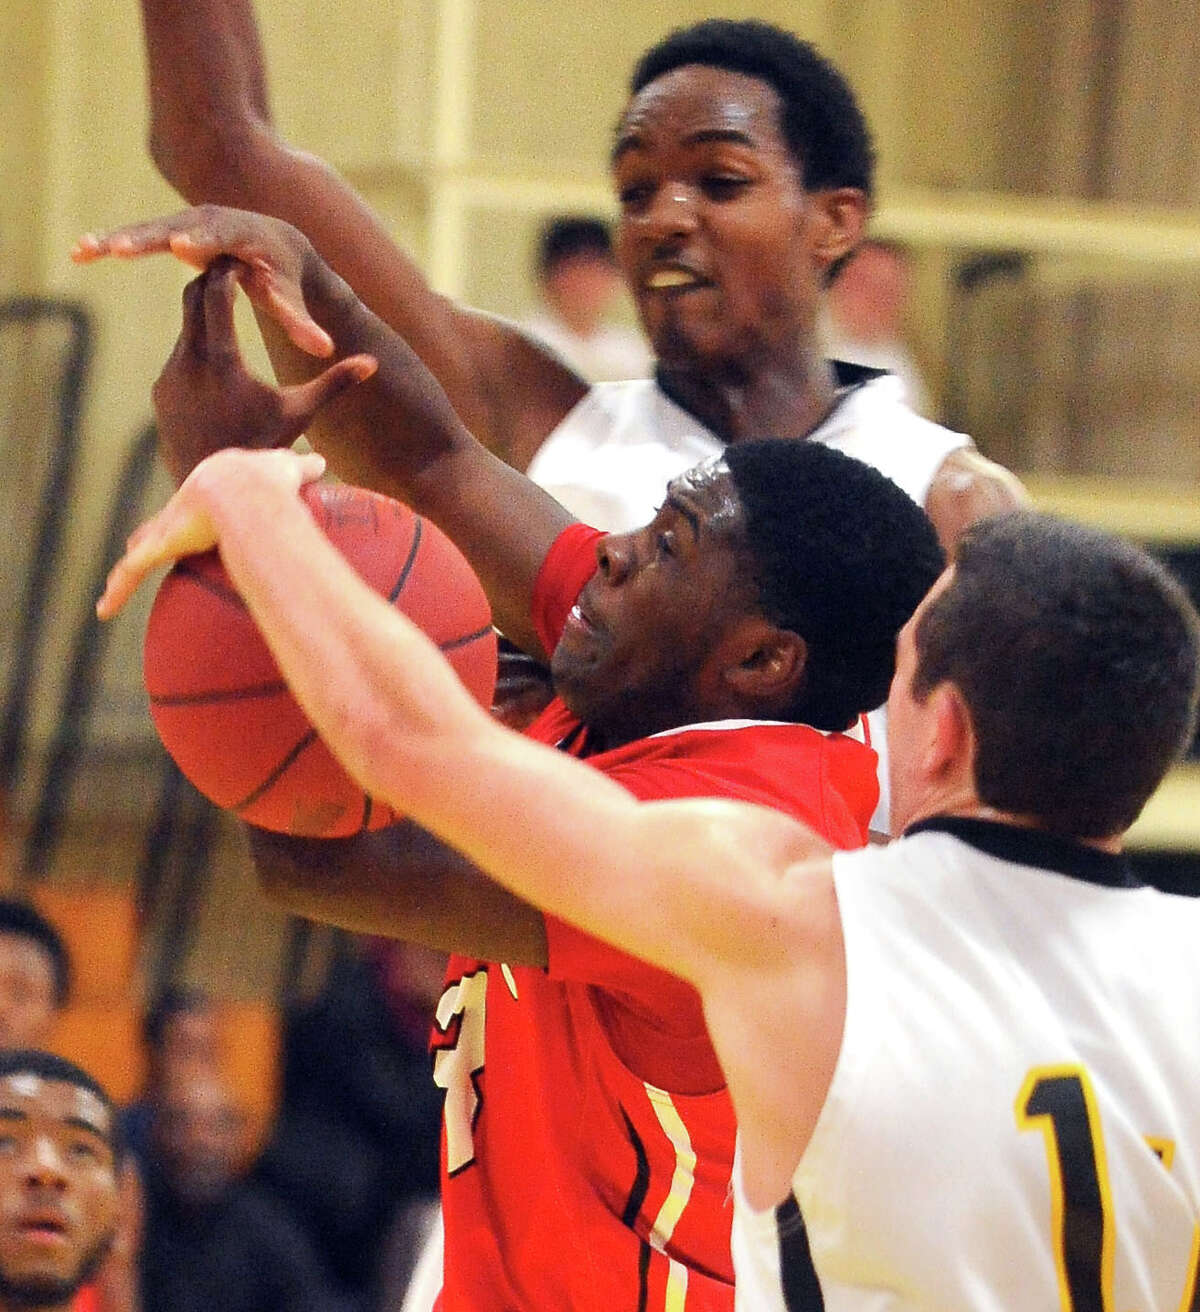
59, 1192
720, 650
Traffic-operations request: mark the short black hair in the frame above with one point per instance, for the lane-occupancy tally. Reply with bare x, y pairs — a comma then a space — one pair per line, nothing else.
48, 1066
842, 557
567, 235
175, 1000
1077, 656
823, 126
23, 920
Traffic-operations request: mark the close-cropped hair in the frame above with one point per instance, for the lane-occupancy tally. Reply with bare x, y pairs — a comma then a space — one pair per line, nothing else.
48, 1066
822, 123
21, 920
1077, 656
842, 557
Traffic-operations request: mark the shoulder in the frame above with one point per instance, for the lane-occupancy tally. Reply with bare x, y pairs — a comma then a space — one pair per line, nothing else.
967, 487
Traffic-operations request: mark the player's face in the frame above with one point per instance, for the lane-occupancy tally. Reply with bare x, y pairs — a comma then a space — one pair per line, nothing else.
717, 236
27, 1001
643, 647
908, 721
58, 1189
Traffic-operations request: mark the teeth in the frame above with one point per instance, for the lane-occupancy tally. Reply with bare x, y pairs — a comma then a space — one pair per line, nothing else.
670, 278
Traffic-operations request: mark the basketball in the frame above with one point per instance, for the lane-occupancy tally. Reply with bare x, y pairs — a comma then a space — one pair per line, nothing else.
219, 702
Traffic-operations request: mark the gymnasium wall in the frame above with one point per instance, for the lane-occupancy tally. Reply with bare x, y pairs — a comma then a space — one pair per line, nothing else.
465, 120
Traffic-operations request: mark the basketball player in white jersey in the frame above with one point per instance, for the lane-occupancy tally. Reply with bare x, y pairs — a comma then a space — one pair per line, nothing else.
972, 1056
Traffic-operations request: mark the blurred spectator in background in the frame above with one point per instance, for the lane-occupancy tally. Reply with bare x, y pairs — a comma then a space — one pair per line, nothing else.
579, 283
213, 1241
354, 1153
180, 1039
35, 975
59, 1202
866, 305
35, 985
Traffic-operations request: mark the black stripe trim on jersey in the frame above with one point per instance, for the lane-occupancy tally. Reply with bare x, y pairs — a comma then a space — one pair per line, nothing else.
1035, 847
633, 1207
798, 1276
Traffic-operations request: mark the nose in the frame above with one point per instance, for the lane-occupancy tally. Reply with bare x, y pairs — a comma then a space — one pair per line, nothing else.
614, 557
670, 214
44, 1165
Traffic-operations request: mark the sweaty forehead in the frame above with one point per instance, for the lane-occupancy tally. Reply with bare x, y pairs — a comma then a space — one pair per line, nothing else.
709, 489
695, 100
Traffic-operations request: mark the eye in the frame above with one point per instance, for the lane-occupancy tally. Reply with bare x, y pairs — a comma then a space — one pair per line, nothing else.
665, 542
83, 1150
723, 186
634, 195
7, 1143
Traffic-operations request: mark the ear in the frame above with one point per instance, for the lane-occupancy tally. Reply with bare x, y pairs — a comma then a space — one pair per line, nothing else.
949, 750
766, 665
839, 218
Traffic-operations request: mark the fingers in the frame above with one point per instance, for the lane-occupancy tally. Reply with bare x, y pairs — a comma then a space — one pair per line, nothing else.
284, 302
220, 290
133, 239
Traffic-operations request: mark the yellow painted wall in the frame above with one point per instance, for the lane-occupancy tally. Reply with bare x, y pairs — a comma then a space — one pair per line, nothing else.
955, 93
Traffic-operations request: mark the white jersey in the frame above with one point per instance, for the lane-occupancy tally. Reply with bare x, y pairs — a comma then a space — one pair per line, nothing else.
609, 461
1013, 1122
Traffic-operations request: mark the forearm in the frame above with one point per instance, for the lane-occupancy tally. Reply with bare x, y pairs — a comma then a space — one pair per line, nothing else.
209, 108
402, 883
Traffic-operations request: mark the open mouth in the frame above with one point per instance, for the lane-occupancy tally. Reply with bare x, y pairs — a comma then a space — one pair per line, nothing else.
673, 278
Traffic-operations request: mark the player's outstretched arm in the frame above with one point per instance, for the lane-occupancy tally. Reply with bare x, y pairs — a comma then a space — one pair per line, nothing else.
212, 138
692, 886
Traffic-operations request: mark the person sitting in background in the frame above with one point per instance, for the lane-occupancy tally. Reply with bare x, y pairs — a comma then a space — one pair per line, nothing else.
211, 1240
179, 1037
35, 975
59, 1190
579, 282
866, 308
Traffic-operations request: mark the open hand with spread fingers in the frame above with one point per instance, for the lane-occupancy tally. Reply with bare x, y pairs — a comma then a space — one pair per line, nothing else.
274, 257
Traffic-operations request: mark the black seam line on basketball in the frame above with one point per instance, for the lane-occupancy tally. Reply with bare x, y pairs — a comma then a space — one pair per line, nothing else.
215, 586
366, 816
408, 564
455, 643
228, 695
307, 741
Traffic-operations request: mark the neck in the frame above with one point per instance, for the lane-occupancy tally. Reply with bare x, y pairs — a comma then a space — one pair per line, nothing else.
784, 401
973, 809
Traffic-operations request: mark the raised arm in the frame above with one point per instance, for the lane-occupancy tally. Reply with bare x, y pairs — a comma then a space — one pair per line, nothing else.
212, 138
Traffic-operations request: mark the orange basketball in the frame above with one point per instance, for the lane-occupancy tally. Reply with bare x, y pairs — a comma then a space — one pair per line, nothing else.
217, 698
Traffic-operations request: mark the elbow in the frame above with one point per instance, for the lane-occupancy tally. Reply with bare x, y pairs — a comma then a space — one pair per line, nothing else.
222, 163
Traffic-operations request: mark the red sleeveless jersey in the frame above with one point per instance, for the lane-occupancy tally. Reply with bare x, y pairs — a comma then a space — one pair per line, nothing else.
588, 1136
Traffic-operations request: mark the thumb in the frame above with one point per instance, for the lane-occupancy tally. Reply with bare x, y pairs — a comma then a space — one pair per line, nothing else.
306, 399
